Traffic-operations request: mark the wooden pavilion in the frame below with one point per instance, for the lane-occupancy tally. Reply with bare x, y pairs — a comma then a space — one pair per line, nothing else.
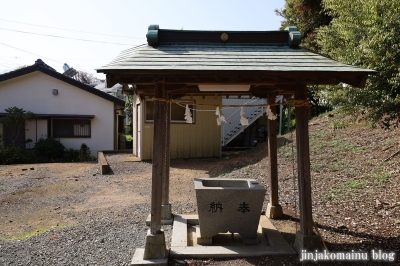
176, 63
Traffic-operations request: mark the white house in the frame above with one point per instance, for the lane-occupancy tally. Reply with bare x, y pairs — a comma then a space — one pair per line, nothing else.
67, 109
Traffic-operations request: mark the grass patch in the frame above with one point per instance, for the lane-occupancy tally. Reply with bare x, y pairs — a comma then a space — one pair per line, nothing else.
317, 145
350, 171
317, 166
378, 174
343, 146
340, 144
352, 184
335, 168
38, 231
390, 141
329, 197
288, 154
286, 151
337, 165
381, 177
340, 124
317, 134
347, 187
360, 150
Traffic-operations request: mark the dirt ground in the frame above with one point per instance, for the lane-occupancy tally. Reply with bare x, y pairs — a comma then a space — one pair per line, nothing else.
41, 196
35, 198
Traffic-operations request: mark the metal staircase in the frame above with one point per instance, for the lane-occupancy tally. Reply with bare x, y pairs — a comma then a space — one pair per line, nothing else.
233, 128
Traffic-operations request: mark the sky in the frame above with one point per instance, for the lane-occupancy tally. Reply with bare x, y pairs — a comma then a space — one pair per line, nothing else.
88, 34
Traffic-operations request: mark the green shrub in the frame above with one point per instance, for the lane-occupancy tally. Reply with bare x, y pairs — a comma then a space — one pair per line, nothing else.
13, 155
71, 155
84, 153
50, 149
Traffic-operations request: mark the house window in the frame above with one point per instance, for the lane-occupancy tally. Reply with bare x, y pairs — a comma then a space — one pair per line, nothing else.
177, 111
71, 128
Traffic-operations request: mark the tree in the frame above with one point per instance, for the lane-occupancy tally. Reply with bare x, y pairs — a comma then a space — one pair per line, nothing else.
366, 33
86, 77
15, 122
129, 113
307, 15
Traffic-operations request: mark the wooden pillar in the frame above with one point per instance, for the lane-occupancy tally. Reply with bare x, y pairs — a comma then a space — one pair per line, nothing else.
155, 247
166, 207
274, 210
159, 144
165, 199
303, 163
305, 238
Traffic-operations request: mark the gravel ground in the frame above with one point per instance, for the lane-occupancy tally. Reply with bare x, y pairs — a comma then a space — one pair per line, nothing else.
92, 229
98, 236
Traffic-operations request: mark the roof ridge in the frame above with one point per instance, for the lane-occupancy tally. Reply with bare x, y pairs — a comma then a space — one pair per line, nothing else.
288, 37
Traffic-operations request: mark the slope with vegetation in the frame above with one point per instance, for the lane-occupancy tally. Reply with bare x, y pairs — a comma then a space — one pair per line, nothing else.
355, 172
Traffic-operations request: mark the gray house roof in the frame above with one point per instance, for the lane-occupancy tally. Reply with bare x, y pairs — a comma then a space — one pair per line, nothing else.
46, 69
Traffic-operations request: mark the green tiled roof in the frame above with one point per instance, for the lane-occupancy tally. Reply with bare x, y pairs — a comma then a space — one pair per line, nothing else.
217, 57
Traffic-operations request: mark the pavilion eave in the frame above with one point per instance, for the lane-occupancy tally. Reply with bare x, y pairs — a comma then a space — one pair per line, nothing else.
229, 78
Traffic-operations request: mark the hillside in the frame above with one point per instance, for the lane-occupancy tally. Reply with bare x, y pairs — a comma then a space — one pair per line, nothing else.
355, 172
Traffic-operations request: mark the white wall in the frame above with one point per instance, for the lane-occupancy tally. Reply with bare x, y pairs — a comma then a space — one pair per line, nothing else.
33, 92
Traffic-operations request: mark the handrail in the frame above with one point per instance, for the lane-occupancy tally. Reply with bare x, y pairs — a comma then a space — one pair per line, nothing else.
231, 129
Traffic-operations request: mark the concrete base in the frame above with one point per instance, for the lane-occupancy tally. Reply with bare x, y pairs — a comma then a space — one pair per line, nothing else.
139, 261
104, 166
202, 240
208, 241
166, 215
309, 243
274, 212
251, 241
155, 247
184, 241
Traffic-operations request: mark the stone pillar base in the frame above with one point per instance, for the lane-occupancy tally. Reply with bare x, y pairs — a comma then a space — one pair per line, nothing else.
274, 212
155, 246
166, 212
309, 243
138, 260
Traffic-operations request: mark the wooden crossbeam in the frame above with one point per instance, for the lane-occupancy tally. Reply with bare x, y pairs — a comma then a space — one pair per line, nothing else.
263, 79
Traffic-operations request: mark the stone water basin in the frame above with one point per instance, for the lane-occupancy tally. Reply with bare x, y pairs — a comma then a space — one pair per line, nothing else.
229, 205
